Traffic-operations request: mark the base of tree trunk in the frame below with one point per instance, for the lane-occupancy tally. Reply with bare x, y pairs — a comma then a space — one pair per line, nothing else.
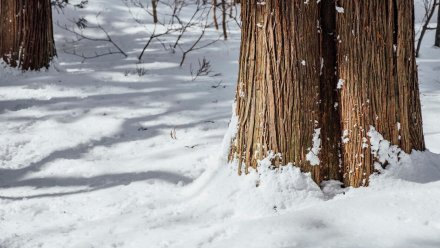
312, 97
26, 34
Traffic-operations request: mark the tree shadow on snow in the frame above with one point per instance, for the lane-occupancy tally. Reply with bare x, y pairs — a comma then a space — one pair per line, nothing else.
423, 168
124, 93
130, 130
93, 183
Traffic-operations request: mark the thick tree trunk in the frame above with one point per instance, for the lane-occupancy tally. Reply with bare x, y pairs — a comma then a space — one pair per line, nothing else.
278, 95
26, 35
378, 75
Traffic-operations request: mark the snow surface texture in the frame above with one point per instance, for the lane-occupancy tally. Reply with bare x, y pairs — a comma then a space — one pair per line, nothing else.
116, 153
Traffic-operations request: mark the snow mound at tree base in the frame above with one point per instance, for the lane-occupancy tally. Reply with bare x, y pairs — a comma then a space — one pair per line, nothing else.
260, 193
266, 191
287, 209
257, 194
419, 167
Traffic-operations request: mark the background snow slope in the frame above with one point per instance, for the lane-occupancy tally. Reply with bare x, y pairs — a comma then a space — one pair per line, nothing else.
87, 158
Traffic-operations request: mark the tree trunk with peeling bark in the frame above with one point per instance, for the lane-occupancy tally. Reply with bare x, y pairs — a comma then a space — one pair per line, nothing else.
378, 73
26, 34
312, 75
278, 94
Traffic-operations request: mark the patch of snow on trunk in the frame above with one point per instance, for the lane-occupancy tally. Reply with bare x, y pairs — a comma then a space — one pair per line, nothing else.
313, 155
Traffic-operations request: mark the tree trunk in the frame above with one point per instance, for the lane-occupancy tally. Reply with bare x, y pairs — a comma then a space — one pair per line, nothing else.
290, 79
154, 4
278, 87
225, 31
378, 74
437, 30
214, 13
26, 34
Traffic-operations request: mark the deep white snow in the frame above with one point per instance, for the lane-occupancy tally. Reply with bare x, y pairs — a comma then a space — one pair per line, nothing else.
116, 153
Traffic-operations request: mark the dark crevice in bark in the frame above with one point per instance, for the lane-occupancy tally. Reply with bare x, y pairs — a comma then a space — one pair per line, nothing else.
330, 118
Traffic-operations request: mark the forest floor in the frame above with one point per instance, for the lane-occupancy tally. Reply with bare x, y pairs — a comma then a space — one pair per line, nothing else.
113, 152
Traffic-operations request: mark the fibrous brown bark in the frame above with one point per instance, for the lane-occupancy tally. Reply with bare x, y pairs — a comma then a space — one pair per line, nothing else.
326, 69
378, 74
26, 34
278, 86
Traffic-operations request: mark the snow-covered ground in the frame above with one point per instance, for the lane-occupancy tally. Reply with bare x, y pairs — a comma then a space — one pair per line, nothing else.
116, 153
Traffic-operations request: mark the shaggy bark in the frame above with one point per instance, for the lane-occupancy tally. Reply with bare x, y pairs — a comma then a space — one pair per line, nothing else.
376, 64
26, 34
278, 86
298, 79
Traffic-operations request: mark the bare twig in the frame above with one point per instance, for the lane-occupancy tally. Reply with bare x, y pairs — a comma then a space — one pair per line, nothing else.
429, 12
81, 36
194, 48
154, 36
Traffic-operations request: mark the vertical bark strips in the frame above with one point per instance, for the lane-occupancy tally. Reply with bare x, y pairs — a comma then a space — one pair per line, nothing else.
278, 85
26, 35
299, 60
377, 65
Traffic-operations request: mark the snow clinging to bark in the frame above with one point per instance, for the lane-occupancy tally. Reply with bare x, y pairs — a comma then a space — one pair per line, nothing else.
383, 150
340, 83
339, 9
312, 155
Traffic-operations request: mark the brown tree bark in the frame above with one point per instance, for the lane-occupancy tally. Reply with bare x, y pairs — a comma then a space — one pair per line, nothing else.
300, 80
26, 34
278, 96
377, 69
